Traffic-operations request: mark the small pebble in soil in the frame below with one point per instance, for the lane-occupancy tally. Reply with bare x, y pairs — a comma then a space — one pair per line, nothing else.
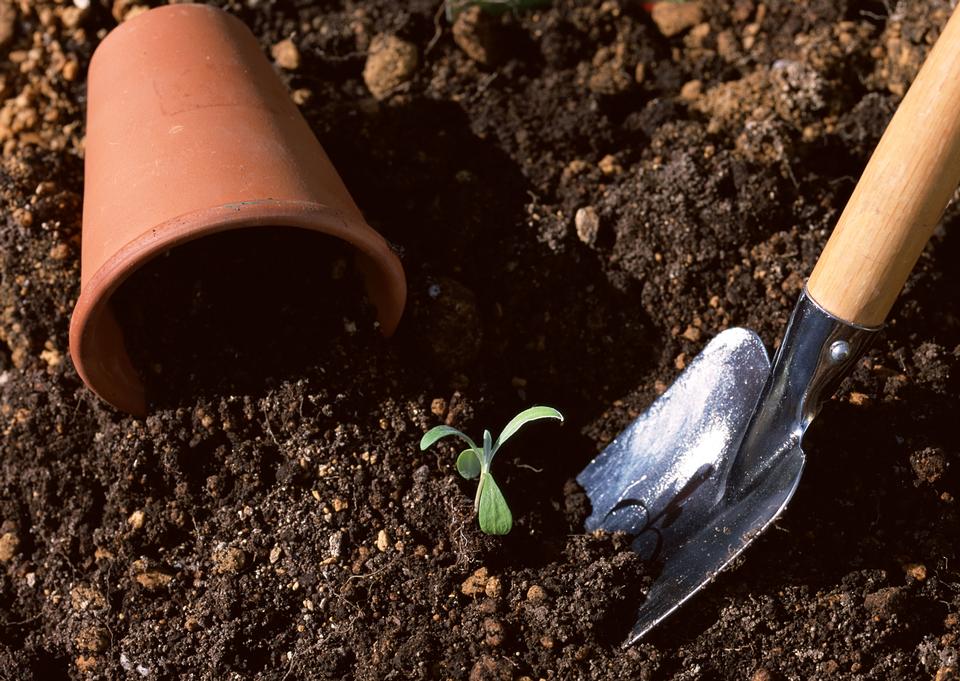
124, 10
335, 544
691, 90
286, 55
917, 571
859, 399
609, 166
84, 597
301, 96
536, 593
476, 583
391, 62
136, 519
51, 356
151, 579
675, 17
228, 560
9, 542
86, 664
383, 541
587, 223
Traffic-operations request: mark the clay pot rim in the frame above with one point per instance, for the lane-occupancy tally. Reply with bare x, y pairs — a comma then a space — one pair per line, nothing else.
97, 292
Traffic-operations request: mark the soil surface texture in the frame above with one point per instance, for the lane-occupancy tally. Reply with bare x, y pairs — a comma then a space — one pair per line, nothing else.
582, 195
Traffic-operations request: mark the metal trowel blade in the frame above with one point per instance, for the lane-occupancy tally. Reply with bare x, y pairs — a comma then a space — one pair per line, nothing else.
663, 479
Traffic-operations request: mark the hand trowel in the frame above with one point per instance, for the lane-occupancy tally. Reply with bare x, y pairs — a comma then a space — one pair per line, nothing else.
717, 457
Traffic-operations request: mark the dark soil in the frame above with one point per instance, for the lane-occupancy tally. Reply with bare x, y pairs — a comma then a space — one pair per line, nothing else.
238, 311
274, 518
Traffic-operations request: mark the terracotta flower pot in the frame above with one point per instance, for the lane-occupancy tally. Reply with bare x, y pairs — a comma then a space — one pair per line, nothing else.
189, 133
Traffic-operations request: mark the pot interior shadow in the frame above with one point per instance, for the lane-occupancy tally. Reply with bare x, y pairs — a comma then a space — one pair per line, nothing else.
240, 311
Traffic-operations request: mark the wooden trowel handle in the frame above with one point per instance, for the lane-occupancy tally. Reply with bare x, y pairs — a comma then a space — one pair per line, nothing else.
900, 197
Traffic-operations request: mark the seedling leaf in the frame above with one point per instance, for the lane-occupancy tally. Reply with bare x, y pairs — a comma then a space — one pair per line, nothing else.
474, 462
495, 516
439, 432
524, 417
468, 464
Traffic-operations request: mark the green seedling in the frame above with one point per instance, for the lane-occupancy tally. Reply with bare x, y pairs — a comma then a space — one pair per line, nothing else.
454, 7
474, 462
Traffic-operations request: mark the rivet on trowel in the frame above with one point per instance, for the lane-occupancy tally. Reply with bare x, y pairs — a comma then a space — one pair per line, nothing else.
839, 351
